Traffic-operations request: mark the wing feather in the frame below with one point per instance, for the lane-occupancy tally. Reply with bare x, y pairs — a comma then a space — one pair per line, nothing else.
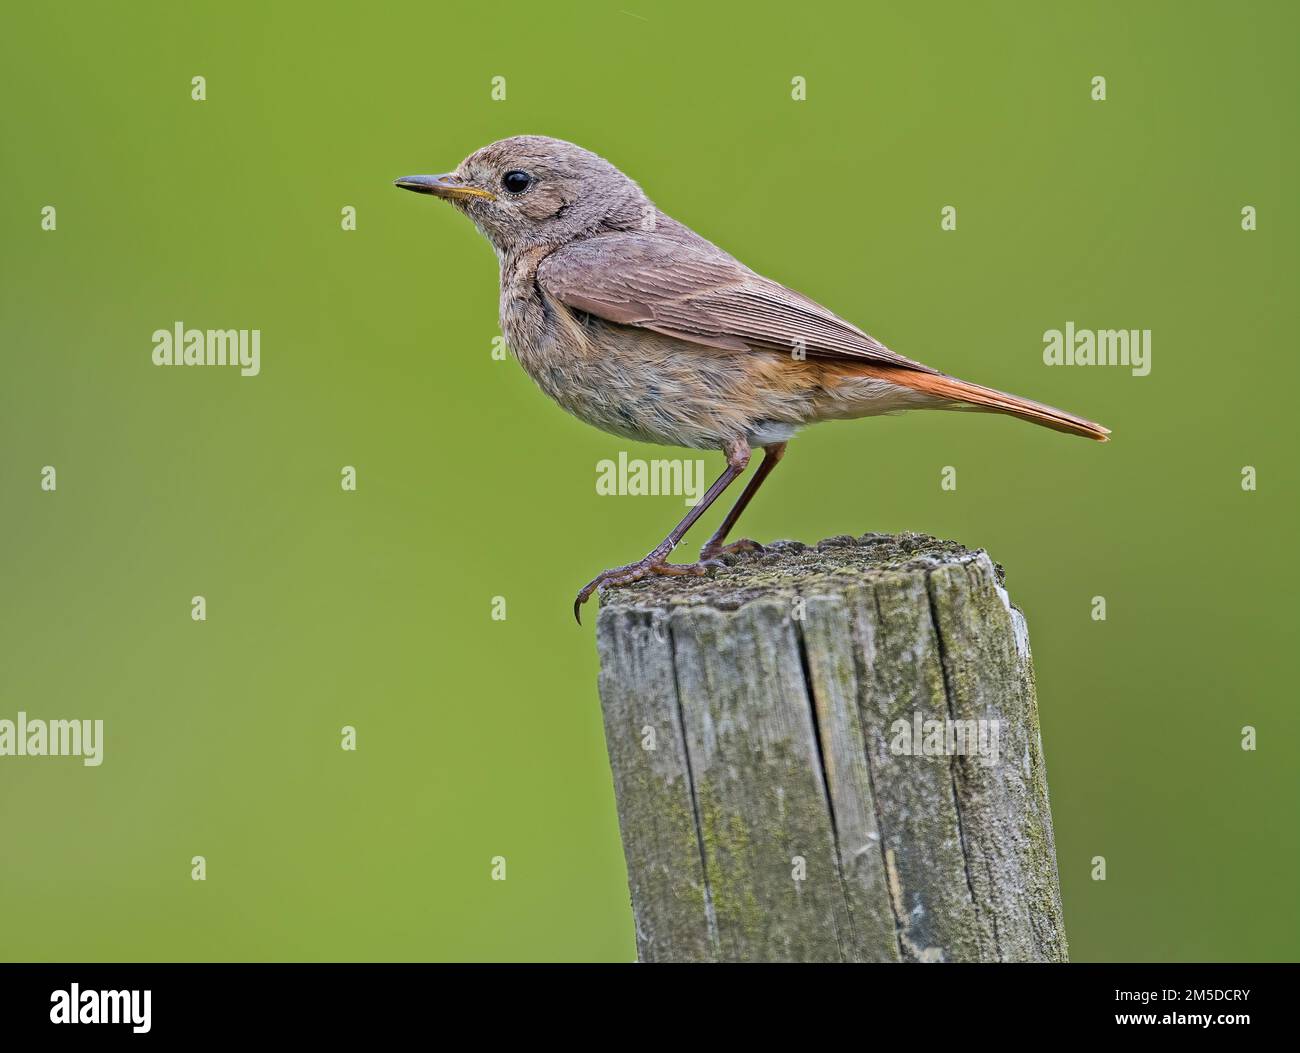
692, 290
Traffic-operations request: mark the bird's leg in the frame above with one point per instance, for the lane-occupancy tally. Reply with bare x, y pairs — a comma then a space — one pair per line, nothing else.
714, 547
656, 561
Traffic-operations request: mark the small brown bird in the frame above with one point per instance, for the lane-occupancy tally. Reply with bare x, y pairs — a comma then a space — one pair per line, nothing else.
635, 324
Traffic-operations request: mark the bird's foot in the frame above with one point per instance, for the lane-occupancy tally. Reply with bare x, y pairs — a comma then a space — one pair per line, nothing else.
712, 551
616, 576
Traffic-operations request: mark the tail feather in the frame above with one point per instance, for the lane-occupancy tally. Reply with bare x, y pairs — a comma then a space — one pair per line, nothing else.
990, 399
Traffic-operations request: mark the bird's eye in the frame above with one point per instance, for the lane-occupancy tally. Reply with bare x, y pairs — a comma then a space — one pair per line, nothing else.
516, 182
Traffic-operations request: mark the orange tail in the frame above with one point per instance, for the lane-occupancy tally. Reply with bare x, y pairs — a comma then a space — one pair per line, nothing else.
988, 399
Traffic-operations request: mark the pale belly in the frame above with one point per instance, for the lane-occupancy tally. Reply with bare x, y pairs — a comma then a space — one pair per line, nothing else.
650, 388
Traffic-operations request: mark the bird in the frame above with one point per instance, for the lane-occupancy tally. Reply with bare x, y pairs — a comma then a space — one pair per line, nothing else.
636, 324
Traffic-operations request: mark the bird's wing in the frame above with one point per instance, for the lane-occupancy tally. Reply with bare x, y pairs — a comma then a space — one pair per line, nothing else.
682, 286
692, 290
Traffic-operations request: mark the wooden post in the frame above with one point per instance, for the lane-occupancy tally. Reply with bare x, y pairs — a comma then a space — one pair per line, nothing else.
775, 799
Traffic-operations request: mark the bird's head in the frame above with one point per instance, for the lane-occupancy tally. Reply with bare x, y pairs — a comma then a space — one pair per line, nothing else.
530, 190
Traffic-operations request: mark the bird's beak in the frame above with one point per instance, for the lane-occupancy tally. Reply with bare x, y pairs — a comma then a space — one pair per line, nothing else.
448, 187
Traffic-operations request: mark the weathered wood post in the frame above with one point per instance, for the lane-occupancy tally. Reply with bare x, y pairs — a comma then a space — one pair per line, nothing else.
831, 753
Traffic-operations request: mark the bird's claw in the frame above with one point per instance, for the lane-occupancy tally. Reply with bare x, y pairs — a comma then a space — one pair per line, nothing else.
744, 544
616, 576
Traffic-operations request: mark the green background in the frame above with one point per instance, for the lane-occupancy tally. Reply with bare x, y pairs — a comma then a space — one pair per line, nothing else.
479, 737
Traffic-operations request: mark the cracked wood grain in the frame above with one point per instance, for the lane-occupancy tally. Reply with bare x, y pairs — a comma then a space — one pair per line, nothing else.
766, 809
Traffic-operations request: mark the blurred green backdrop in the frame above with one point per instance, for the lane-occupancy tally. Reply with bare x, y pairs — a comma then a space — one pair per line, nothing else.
478, 737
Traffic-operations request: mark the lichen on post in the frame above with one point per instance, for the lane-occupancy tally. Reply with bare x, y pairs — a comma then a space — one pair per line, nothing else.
831, 753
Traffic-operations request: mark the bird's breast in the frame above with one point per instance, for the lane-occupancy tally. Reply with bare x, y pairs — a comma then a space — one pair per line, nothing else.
645, 386
648, 387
